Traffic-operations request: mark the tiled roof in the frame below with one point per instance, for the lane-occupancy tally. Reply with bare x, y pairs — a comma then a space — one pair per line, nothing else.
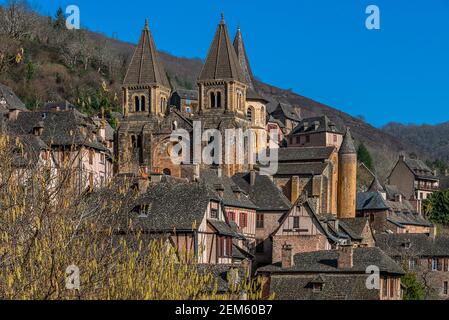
312, 168
145, 67
187, 94
354, 227
416, 245
264, 193
60, 128
326, 262
223, 228
173, 205
9, 100
286, 110
222, 62
210, 177
371, 201
347, 146
315, 125
303, 154
334, 287
243, 60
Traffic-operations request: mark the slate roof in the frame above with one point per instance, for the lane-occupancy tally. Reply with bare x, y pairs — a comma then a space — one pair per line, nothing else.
420, 169
316, 125
354, 227
347, 146
312, 168
243, 60
325, 261
409, 244
304, 154
145, 67
61, 128
223, 228
210, 177
9, 100
108, 129
187, 94
57, 105
376, 186
264, 193
286, 110
173, 205
370, 201
273, 120
220, 273
392, 191
32, 148
222, 62
334, 287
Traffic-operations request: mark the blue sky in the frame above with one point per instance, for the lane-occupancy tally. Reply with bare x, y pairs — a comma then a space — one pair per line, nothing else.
318, 48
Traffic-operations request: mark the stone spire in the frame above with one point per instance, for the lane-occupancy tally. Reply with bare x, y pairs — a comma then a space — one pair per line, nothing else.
347, 146
242, 57
145, 67
376, 186
221, 62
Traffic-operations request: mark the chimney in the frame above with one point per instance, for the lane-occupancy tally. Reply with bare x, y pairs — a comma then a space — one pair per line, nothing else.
286, 256
306, 125
13, 114
294, 189
252, 177
345, 257
102, 133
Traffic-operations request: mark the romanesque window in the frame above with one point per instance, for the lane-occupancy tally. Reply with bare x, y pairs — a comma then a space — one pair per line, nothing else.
166, 172
212, 100
249, 114
142, 103
136, 104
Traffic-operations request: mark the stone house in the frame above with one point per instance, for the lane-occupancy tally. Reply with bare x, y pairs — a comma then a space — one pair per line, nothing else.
186, 101
389, 211
315, 132
413, 178
192, 216
332, 275
426, 256
287, 114
271, 207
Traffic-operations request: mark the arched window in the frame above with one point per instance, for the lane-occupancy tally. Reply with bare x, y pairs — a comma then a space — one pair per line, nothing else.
166, 172
249, 114
136, 104
212, 100
142, 103
218, 99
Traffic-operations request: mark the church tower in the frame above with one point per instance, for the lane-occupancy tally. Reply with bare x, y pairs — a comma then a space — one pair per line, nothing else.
255, 105
347, 178
222, 87
146, 90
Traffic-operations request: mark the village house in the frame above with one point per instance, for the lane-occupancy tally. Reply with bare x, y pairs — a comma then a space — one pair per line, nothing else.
413, 178
193, 217
271, 207
339, 274
389, 211
315, 132
77, 146
426, 256
287, 114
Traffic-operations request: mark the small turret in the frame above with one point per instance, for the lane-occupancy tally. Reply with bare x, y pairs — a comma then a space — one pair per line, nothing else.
347, 178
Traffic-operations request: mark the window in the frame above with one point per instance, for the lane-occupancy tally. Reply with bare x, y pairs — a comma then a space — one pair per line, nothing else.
307, 138
412, 264
224, 247
249, 114
243, 220
187, 101
214, 210
231, 216
166, 172
295, 222
136, 104
392, 287
142, 103
260, 246
434, 264
445, 287
91, 156
102, 158
212, 100
335, 138
218, 99
317, 287
188, 110
298, 140
385, 287
259, 221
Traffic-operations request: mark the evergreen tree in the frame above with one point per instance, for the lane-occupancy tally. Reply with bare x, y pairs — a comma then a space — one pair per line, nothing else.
364, 156
437, 207
59, 22
414, 290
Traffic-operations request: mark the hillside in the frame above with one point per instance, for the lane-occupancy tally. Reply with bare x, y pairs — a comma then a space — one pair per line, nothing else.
42, 61
433, 140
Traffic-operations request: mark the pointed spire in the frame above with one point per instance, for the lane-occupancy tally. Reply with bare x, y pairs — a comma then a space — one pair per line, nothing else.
145, 66
240, 50
347, 146
221, 62
376, 186
222, 18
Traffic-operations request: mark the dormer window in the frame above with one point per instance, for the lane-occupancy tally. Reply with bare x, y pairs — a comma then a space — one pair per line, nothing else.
317, 287
214, 210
